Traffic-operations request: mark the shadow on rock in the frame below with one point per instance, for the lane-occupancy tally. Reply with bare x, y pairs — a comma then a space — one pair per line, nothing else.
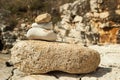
60, 74
100, 72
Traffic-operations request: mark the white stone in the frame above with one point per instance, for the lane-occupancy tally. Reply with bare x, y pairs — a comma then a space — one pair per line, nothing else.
47, 26
104, 15
78, 19
39, 33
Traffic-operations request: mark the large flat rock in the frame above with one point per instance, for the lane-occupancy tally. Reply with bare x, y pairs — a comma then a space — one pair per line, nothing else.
41, 57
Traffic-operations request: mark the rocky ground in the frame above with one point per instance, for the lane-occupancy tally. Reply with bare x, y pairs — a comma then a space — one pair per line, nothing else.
109, 68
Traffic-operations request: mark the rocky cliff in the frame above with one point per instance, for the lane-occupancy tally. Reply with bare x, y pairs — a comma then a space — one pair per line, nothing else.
90, 21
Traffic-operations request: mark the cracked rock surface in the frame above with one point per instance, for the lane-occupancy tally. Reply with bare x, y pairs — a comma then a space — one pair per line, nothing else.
5, 72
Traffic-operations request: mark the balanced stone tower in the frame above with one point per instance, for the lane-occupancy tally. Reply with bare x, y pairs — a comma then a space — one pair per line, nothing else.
42, 28
44, 54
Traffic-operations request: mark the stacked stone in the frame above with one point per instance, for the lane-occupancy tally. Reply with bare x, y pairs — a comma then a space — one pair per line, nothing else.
42, 28
43, 56
38, 56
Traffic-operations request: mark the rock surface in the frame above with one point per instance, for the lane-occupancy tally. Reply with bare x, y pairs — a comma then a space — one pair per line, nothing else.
5, 72
109, 68
92, 13
47, 26
39, 77
39, 33
42, 57
43, 18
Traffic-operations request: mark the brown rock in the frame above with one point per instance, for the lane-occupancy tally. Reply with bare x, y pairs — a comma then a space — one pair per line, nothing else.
41, 57
43, 18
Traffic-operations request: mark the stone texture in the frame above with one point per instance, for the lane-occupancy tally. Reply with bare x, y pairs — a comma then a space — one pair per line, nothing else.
109, 54
94, 5
42, 57
104, 15
38, 77
47, 26
74, 34
42, 18
39, 33
109, 68
5, 72
118, 12
78, 19
16, 75
80, 12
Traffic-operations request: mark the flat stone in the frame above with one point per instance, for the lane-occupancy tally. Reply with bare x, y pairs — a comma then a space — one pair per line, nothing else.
39, 33
47, 26
41, 57
43, 18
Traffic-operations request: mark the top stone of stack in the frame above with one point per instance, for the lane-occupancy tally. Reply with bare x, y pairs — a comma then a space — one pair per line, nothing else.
43, 18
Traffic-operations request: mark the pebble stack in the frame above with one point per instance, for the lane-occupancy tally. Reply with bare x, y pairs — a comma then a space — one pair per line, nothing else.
42, 28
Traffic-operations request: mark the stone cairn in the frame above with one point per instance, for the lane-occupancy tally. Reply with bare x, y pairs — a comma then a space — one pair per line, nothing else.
42, 28
44, 54
90, 22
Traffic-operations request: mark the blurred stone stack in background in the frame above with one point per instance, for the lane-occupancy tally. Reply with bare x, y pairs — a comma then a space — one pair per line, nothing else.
90, 22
